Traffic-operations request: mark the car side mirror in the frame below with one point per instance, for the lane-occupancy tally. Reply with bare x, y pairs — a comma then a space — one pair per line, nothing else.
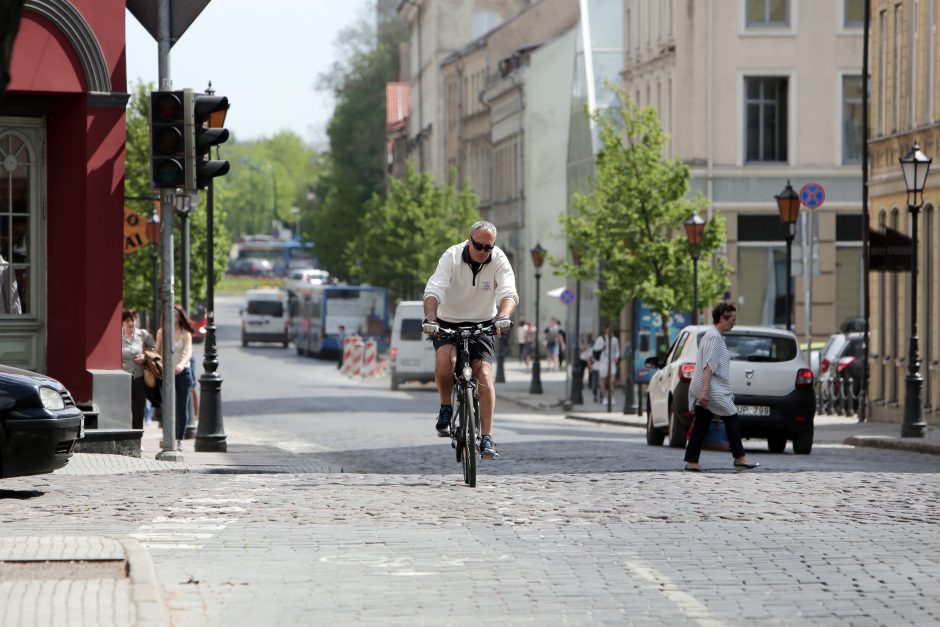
652, 362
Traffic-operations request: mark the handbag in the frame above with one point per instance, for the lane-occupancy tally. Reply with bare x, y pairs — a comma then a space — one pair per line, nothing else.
716, 438
153, 368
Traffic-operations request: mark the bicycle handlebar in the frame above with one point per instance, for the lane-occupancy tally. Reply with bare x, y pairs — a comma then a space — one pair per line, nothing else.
468, 331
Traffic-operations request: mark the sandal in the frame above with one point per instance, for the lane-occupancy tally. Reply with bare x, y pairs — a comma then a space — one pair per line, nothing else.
746, 465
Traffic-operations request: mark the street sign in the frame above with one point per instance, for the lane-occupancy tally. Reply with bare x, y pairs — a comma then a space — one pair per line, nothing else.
567, 297
812, 195
183, 14
135, 231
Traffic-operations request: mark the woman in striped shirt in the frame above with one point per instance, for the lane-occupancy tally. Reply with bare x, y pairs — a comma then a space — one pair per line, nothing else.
710, 391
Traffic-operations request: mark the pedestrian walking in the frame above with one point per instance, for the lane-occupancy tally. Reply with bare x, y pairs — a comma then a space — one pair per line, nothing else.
552, 339
183, 380
606, 356
586, 357
134, 341
710, 391
521, 332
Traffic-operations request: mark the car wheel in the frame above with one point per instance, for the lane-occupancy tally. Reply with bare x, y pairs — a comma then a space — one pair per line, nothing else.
654, 436
676, 432
776, 443
803, 442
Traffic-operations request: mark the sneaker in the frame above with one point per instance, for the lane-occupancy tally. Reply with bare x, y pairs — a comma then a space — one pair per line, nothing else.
443, 421
488, 448
179, 445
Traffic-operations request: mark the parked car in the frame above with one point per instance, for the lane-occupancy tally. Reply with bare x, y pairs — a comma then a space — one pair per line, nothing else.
773, 388
846, 374
411, 357
199, 326
39, 423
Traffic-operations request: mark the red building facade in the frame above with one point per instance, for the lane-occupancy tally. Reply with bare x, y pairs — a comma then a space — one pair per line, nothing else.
62, 136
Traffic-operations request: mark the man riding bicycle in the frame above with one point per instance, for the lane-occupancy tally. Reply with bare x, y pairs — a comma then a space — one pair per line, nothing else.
473, 283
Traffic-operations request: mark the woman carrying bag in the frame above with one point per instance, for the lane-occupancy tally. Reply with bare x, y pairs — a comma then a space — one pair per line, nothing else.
134, 342
710, 391
182, 352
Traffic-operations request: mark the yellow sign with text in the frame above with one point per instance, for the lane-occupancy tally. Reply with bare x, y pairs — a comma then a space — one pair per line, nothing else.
135, 231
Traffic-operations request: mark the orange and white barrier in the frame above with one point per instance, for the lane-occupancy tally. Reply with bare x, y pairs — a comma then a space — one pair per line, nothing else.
352, 356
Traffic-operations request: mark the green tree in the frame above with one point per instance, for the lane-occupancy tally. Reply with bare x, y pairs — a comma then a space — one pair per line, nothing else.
404, 234
630, 225
138, 266
369, 59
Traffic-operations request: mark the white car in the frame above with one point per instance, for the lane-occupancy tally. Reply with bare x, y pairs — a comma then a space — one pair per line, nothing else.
412, 357
773, 388
264, 317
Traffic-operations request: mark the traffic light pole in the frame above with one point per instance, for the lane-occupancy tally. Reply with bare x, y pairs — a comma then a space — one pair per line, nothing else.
168, 403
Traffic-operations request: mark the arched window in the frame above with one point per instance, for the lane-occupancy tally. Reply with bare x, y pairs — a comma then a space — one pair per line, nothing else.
893, 346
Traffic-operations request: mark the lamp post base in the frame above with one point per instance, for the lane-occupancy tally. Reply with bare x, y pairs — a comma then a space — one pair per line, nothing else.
577, 376
210, 436
536, 386
913, 425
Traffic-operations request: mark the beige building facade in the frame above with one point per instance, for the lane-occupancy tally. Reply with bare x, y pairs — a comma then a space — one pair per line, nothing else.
905, 109
755, 94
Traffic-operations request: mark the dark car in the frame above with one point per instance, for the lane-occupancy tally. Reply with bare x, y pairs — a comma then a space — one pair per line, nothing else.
39, 423
251, 267
847, 375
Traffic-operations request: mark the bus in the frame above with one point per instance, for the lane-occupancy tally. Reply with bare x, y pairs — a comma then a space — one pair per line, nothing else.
283, 255
317, 311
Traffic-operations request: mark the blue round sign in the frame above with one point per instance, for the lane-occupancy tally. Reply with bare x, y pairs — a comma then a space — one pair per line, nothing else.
567, 297
812, 195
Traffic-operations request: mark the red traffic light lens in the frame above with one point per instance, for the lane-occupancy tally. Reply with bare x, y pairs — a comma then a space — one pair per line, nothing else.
167, 107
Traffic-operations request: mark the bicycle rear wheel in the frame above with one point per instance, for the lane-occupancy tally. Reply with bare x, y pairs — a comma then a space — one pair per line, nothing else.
470, 439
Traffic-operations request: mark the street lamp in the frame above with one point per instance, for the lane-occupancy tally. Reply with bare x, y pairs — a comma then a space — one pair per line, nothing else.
788, 204
694, 230
538, 258
915, 166
577, 375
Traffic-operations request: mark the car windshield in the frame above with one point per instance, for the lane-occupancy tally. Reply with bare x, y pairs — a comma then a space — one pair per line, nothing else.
411, 329
760, 347
266, 308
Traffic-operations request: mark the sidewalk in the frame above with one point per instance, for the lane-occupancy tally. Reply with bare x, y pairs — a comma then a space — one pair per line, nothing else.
829, 428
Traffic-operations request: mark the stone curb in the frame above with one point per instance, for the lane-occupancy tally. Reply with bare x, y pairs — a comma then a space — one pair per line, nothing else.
146, 594
897, 444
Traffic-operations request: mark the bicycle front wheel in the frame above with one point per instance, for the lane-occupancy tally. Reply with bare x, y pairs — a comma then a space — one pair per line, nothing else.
470, 440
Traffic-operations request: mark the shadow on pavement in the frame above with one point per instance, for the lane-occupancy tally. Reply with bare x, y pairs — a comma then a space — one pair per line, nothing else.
21, 495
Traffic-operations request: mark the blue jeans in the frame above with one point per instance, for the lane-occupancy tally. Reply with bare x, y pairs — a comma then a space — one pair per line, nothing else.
184, 396
703, 419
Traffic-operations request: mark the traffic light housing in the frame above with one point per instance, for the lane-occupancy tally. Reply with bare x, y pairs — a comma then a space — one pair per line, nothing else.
206, 115
168, 139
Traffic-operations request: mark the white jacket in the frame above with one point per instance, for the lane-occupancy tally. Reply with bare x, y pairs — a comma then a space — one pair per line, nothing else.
463, 297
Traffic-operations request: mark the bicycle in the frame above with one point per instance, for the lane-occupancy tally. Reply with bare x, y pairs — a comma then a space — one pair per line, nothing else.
465, 398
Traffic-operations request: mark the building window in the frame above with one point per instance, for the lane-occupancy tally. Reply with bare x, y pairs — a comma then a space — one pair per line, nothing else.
853, 13
882, 68
761, 270
484, 21
849, 270
766, 115
896, 79
17, 175
763, 13
851, 119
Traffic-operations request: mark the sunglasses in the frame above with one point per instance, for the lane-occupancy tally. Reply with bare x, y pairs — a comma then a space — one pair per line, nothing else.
479, 246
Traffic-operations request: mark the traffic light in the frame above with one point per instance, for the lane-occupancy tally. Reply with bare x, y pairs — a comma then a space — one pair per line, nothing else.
168, 139
206, 114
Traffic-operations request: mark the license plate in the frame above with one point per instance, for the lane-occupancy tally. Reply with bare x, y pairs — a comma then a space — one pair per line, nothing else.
255, 323
753, 410
410, 362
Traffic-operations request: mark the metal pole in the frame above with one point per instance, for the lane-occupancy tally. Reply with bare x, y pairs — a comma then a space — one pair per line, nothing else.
577, 375
168, 408
694, 289
210, 434
183, 211
788, 280
866, 227
914, 425
536, 386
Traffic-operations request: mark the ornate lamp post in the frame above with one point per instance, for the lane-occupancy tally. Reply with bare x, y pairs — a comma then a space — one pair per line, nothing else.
577, 376
788, 204
694, 230
915, 166
538, 258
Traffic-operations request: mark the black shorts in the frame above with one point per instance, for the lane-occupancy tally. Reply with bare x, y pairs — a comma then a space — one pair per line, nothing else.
481, 347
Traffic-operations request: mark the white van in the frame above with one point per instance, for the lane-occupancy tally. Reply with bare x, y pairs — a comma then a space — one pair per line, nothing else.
411, 357
264, 318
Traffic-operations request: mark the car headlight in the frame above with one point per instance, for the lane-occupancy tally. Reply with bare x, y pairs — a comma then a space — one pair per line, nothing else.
51, 399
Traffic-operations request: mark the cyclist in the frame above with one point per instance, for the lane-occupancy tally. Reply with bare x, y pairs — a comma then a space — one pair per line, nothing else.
473, 283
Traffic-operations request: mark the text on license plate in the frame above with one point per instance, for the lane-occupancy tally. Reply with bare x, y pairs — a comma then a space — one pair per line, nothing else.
753, 410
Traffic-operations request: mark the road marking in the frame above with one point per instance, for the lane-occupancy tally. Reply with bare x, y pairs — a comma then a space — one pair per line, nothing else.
687, 604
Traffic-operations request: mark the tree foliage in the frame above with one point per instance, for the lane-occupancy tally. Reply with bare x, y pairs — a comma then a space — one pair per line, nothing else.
404, 234
140, 196
630, 225
368, 60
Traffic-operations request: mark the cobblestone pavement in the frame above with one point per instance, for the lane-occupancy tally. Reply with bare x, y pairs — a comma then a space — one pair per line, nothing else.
845, 536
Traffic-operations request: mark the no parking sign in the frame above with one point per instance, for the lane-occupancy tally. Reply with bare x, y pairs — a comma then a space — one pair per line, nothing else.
812, 195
